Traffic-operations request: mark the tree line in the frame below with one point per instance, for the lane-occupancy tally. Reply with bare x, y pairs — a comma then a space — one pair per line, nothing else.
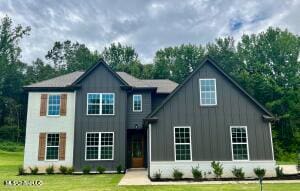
266, 64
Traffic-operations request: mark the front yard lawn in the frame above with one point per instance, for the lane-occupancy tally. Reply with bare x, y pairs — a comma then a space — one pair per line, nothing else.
9, 162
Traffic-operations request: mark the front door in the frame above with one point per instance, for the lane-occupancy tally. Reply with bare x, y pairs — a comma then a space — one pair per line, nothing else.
137, 151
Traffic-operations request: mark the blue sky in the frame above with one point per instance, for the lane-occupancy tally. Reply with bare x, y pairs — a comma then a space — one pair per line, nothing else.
147, 25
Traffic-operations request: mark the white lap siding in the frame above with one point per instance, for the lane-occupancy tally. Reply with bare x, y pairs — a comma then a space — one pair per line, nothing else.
37, 124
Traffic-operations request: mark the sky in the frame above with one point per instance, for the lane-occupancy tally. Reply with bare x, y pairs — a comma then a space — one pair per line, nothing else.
147, 25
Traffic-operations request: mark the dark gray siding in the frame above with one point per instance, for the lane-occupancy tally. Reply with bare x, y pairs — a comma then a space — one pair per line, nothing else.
137, 117
210, 126
157, 99
99, 81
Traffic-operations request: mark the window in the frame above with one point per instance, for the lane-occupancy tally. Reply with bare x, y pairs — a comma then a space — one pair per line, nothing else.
52, 146
99, 146
208, 92
137, 103
182, 139
54, 105
239, 140
101, 103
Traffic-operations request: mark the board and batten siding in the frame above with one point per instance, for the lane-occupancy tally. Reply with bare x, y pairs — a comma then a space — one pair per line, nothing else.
210, 125
100, 80
137, 117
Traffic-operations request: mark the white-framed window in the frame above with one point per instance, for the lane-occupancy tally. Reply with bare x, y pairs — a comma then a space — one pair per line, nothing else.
182, 144
52, 146
99, 146
208, 92
137, 102
54, 105
239, 143
100, 104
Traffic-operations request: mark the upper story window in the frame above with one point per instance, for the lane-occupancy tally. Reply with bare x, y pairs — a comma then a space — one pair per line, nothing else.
52, 146
137, 103
208, 92
101, 104
239, 141
182, 141
54, 105
99, 146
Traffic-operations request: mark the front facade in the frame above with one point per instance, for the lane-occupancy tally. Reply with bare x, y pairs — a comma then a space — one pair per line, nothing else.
104, 118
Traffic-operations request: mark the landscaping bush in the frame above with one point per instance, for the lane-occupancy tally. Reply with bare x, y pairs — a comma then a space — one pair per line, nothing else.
119, 169
63, 169
86, 169
197, 174
238, 172
70, 170
157, 175
50, 170
217, 168
101, 169
259, 172
21, 170
34, 170
279, 172
177, 174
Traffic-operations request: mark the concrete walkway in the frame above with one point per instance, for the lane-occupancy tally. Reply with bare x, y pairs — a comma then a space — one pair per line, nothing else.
289, 169
140, 177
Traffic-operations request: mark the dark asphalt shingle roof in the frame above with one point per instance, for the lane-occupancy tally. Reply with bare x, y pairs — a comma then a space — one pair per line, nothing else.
162, 85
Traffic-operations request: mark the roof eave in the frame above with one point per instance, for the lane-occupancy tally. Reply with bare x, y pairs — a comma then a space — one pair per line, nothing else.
50, 89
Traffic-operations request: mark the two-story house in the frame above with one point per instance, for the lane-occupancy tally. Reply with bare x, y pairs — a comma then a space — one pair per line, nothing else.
105, 118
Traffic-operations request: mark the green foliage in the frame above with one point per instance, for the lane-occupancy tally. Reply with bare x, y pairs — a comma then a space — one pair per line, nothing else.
50, 170
21, 170
157, 175
119, 169
238, 172
70, 170
34, 170
197, 173
101, 169
217, 168
177, 175
86, 169
279, 171
259, 172
11, 146
63, 169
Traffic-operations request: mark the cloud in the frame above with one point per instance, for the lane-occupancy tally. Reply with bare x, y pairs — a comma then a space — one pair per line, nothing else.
146, 25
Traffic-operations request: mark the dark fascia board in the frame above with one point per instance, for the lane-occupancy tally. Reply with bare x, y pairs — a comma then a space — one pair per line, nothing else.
52, 89
210, 60
131, 88
92, 68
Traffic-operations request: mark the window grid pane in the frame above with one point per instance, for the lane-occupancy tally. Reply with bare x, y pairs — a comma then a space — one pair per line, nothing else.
99, 146
182, 143
54, 105
101, 103
52, 146
208, 92
137, 102
239, 143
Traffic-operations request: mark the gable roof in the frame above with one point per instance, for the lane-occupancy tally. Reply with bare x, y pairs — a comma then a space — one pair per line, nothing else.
209, 60
162, 86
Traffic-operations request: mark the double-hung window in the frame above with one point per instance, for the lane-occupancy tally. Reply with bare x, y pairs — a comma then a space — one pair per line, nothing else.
100, 103
54, 105
52, 146
182, 141
137, 103
99, 146
239, 141
208, 92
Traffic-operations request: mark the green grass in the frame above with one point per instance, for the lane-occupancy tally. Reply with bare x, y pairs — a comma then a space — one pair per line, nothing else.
286, 162
9, 162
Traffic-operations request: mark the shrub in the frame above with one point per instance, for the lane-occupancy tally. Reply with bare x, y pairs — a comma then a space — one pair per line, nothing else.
217, 168
259, 172
238, 172
34, 170
9, 132
101, 169
10, 146
21, 170
197, 174
279, 172
157, 175
63, 169
70, 170
86, 169
119, 169
177, 174
50, 170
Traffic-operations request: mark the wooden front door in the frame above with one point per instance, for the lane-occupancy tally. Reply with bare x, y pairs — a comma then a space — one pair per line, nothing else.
137, 151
